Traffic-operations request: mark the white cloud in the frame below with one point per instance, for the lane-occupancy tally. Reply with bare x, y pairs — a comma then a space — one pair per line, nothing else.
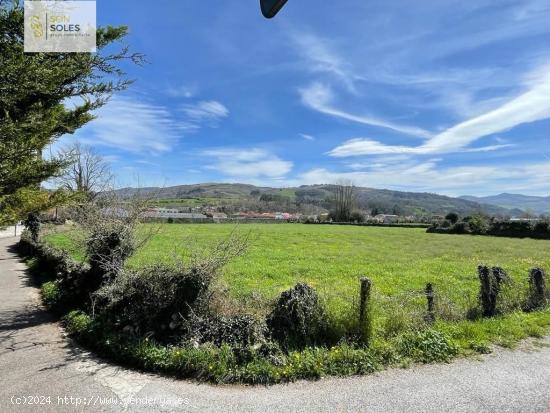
248, 164
146, 162
321, 59
319, 97
205, 111
307, 137
185, 91
135, 125
363, 146
524, 19
531, 106
428, 177
132, 125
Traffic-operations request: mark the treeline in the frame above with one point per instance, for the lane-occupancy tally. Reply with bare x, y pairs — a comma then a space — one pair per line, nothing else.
482, 225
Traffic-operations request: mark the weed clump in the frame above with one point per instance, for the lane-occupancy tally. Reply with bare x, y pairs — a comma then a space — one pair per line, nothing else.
240, 331
298, 319
50, 294
427, 346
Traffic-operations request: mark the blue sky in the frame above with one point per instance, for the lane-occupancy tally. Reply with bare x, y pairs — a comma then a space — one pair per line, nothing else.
441, 96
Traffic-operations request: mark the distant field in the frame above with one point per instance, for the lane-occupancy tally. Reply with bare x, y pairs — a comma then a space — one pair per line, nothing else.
332, 258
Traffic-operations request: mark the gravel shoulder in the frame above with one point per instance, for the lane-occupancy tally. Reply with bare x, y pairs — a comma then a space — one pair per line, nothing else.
37, 361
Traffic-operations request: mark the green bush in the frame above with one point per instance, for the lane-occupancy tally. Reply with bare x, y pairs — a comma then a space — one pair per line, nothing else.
512, 229
32, 225
481, 225
478, 224
78, 323
452, 217
298, 319
155, 299
460, 228
71, 278
51, 294
357, 216
542, 228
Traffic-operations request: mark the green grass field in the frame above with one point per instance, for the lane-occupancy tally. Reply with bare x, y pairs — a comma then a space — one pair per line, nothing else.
332, 258
400, 261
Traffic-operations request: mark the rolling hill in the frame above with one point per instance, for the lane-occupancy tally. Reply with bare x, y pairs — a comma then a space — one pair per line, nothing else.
382, 200
536, 204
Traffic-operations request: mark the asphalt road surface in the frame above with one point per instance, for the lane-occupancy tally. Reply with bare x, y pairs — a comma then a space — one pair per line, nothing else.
11, 231
42, 371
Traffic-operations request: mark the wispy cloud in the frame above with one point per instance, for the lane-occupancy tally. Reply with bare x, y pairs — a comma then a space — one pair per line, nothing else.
531, 106
204, 113
248, 163
146, 162
321, 58
516, 20
319, 97
209, 111
181, 91
307, 137
428, 176
132, 125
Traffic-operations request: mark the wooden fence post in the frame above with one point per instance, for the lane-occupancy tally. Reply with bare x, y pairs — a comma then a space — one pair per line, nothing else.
364, 321
537, 288
430, 316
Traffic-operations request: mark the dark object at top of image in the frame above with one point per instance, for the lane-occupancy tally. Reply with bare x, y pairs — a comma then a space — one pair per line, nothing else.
271, 7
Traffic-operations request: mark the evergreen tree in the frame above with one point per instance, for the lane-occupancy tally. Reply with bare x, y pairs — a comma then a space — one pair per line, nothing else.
44, 96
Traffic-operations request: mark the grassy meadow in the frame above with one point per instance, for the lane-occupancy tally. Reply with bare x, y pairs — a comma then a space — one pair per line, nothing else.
331, 258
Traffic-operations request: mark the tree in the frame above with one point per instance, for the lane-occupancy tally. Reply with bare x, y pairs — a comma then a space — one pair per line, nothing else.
87, 174
357, 217
452, 217
343, 202
397, 210
35, 89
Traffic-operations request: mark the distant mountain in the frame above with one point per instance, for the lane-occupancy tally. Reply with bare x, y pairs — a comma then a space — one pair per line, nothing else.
382, 200
536, 204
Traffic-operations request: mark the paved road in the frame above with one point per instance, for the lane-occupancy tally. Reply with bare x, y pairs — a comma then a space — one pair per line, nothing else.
37, 360
11, 231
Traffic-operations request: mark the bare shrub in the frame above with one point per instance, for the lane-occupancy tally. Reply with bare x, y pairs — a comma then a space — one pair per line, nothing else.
162, 299
109, 232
